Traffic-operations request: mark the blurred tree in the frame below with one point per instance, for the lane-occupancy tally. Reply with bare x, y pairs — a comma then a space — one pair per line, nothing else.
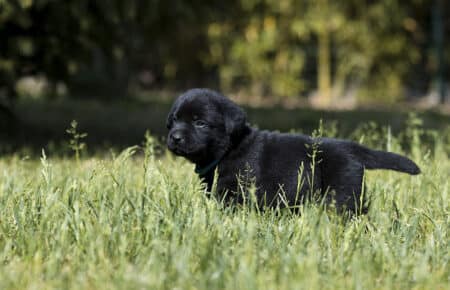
438, 43
256, 47
42, 37
379, 47
373, 48
161, 38
323, 19
379, 50
63, 39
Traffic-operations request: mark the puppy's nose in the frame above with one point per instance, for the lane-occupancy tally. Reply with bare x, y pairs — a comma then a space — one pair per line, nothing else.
176, 137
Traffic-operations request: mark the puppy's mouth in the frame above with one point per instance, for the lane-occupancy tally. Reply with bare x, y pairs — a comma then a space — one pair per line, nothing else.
181, 151
178, 151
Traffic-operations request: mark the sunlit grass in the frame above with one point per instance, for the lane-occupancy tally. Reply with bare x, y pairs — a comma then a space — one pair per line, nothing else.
140, 221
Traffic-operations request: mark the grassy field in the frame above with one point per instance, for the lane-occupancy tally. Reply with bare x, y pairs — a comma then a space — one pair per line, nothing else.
140, 220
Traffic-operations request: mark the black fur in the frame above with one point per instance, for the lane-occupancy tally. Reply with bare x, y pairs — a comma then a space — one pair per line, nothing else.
211, 131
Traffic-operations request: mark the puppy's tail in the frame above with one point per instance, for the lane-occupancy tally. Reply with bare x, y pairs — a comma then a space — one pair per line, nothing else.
375, 159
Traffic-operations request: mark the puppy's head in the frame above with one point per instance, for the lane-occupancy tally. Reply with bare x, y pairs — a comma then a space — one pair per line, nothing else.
203, 125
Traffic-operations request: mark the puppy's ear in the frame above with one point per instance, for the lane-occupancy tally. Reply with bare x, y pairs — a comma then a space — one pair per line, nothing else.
235, 120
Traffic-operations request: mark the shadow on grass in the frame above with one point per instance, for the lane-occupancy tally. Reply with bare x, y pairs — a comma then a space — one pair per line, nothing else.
122, 124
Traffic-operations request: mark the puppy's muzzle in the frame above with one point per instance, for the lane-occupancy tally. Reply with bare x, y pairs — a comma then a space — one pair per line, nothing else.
177, 138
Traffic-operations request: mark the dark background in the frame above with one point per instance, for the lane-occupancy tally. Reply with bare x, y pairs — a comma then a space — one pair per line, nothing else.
115, 66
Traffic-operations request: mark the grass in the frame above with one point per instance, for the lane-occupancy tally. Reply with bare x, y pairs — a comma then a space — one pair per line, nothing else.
138, 220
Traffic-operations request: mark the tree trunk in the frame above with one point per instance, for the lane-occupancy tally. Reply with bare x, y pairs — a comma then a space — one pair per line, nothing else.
324, 69
438, 43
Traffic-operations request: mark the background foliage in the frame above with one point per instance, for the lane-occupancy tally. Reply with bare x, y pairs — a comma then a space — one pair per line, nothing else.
381, 50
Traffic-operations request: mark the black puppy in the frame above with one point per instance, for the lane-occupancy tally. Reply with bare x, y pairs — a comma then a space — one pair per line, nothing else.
211, 131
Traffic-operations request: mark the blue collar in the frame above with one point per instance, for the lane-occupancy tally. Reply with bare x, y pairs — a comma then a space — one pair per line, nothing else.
207, 168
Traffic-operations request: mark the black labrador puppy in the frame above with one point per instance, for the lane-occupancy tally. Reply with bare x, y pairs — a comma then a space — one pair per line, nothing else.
211, 131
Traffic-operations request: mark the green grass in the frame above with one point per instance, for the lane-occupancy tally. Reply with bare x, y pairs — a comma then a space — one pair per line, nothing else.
140, 221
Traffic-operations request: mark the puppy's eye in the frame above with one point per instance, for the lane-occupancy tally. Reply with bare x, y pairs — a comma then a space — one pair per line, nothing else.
200, 123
